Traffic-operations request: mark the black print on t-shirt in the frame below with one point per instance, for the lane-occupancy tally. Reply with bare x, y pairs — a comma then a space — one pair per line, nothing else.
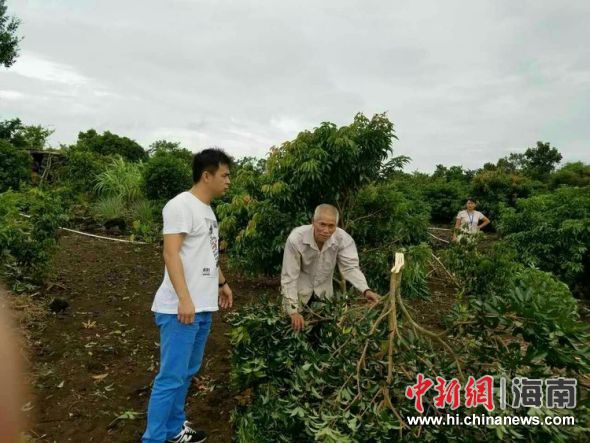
212, 225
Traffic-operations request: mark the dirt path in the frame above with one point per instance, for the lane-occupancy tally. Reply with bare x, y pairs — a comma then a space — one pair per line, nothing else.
95, 361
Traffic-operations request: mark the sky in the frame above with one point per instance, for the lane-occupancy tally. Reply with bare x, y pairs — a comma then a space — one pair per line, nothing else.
464, 82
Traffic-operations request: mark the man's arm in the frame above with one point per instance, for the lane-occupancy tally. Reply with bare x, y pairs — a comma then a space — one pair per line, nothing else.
225, 293
289, 276
172, 245
348, 263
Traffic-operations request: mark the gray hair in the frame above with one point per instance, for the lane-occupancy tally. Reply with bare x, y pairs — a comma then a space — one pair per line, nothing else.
324, 207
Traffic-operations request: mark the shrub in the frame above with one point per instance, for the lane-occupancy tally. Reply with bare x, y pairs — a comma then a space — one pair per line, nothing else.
81, 170
166, 175
27, 244
482, 274
552, 232
536, 309
571, 174
445, 199
496, 188
15, 166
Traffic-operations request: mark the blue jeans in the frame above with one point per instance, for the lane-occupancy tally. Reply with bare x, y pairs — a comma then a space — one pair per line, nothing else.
181, 353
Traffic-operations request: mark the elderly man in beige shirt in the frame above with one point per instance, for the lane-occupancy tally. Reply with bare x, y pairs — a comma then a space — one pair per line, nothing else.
311, 254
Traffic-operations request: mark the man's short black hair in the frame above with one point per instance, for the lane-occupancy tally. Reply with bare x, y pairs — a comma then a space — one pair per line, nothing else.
209, 160
471, 199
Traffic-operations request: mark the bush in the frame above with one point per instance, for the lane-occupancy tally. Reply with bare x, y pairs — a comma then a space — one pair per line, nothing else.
446, 192
81, 170
572, 174
538, 310
27, 244
494, 189
165, 175
482, 274
15, 167
552, 232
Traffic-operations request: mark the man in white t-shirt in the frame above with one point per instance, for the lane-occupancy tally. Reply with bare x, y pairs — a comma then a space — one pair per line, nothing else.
192, 290
467, 220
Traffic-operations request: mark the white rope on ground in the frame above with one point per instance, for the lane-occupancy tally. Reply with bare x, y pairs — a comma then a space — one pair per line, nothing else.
439, 229
438, 238
102, 237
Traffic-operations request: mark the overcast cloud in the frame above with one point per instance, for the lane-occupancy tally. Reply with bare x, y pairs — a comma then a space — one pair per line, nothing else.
464, 82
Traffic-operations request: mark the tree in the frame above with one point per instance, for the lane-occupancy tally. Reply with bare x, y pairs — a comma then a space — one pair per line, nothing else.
23, 136
539, 162
160, 147
394, 166
11, 131
15, 166
8, 38
35, 137
110, 144
329, 164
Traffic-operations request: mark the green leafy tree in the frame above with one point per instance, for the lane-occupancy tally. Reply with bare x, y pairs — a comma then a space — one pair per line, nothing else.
11, 131
393, 166
160, 147
327, 165
35, 136
540, 161
23, 136
110, 144
8, 38
15, 166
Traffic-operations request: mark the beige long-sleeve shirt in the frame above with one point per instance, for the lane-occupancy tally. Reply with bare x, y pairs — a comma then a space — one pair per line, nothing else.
306, 269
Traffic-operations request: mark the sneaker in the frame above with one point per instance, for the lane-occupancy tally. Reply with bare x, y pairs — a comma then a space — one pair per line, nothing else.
188, 434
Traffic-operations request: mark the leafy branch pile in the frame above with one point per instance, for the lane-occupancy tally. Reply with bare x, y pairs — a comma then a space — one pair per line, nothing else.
343, 379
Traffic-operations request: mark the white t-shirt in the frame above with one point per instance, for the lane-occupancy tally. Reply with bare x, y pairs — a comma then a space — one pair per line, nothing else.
199, 253
470, 220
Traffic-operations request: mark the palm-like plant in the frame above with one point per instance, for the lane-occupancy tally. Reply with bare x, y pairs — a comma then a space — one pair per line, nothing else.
120, 179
